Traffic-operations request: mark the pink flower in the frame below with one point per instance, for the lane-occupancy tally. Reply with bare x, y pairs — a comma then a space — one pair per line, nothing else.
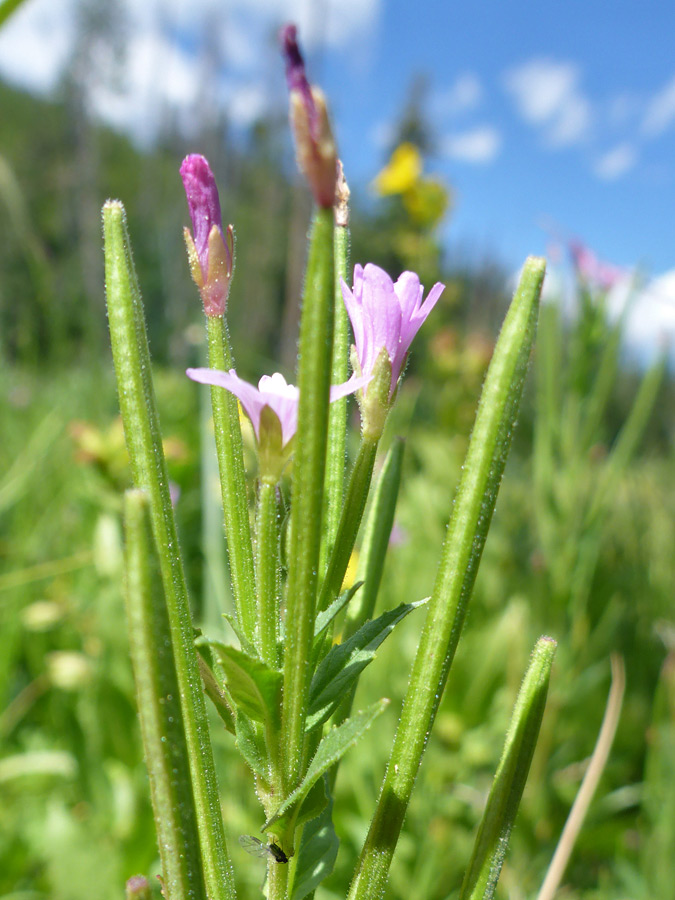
593, 270
210, 252
273, 392
386, 315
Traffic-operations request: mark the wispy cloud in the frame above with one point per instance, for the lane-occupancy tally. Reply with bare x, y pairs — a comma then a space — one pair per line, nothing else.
164, 67
479, 145
616, 162
465, 93
660, 112
547, 95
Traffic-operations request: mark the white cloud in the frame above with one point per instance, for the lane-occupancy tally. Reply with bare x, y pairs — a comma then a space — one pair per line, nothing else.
166, 53
650, 319
547, 95
463, 94
660, 112
616, 162
35, 44
479, 145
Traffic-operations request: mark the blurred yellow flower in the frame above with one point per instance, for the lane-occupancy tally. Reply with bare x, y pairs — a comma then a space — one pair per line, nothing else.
427, 201
401, 173
350, 574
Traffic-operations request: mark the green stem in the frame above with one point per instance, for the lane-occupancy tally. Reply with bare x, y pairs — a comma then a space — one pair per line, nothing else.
337, 416
277, 880
350, 520
462, 550
267, 556
7, 7
148, 466
159, 709
230, 453
376, 540
314, 366
371, 563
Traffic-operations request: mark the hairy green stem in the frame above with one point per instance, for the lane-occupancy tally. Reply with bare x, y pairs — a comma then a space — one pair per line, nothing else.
314, 367
337, 416
267, 557
230, 453
350, 520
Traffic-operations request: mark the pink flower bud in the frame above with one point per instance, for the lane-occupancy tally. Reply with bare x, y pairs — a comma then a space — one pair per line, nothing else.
316, 152
210, 252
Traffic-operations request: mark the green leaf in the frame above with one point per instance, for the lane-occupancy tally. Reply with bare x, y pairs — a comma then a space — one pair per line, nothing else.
255, 688
344, 663
317, 854
251, 746
333, 746
159, 707
244, 642
313, 804
131, 357
324, 618
492, 840
215, 692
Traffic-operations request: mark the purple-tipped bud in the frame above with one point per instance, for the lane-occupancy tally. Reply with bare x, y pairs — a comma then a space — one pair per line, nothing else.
314, 143
210, 251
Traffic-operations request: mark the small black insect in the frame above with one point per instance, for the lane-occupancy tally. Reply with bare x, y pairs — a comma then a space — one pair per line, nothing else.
256, 848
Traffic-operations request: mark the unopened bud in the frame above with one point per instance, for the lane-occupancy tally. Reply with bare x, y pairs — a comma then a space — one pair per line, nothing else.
210, 251
316, 152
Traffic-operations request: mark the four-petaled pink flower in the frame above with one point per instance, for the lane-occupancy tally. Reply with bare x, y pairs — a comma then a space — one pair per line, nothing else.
273, 392
210, 252
386, 314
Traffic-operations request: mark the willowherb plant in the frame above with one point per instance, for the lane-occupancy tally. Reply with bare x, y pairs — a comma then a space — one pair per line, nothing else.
285, 692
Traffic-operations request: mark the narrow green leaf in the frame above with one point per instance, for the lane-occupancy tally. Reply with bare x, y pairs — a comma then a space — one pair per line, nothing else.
344, 663
317, 854
215, 693
333, 746
131, 356
254, 687
159, 709
244, 642
251, 746
324, 618
313, 804
492, 840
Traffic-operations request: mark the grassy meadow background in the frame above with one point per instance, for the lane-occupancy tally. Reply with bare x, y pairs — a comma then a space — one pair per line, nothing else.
582, 546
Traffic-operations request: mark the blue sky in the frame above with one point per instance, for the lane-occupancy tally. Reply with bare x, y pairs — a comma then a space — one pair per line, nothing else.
544, 114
